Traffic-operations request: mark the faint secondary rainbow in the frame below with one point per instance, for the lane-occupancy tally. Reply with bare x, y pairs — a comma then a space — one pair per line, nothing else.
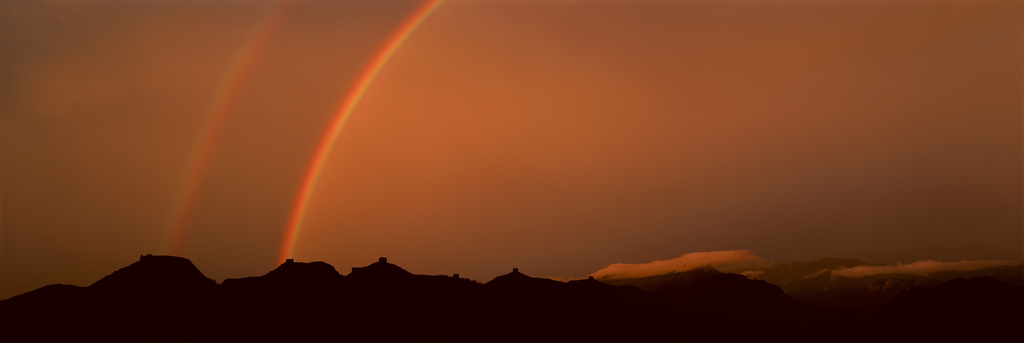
344, 111
216, 116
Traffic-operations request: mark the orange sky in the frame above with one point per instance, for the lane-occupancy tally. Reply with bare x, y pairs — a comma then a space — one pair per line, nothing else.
557, 137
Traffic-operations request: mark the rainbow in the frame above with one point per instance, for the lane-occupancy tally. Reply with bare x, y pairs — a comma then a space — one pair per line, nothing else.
227, 95
341, 115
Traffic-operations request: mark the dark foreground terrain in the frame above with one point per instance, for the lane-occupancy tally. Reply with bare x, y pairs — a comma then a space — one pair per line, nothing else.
167, 299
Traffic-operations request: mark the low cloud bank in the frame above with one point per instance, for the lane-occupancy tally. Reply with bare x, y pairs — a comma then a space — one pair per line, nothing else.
726, 261
918, 268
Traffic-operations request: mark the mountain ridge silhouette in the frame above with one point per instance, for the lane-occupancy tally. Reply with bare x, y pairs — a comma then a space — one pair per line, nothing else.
166, 298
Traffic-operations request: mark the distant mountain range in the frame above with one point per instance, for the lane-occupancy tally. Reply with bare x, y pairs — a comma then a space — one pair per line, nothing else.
814, 283
167, 299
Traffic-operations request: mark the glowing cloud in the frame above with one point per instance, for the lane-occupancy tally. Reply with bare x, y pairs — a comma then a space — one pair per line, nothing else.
223, 101
918, 268
348, 105
728, 260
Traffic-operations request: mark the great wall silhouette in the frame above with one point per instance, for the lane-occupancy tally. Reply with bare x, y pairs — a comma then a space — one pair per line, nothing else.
168, 299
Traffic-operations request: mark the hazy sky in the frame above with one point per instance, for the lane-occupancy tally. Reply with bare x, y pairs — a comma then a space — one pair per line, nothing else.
554, 136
